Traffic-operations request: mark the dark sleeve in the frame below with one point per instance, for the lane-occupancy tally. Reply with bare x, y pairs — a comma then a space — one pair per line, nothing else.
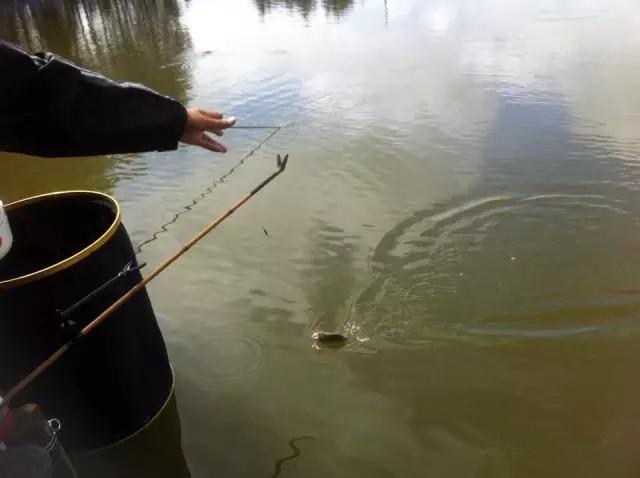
51, 107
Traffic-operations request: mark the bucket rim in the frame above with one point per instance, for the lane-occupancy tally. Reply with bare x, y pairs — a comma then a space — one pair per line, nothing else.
78, 256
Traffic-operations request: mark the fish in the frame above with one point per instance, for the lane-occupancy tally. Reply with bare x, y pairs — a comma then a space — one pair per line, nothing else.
331, 339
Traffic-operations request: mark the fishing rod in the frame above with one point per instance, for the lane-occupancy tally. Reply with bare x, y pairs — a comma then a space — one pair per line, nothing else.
53, 358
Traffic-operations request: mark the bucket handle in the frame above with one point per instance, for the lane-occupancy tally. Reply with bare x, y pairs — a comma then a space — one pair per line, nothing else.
71, 326
54, 426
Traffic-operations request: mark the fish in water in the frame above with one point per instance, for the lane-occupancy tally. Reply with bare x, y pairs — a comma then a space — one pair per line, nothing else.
331, 339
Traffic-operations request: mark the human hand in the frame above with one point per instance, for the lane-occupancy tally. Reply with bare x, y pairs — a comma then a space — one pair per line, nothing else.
199, 122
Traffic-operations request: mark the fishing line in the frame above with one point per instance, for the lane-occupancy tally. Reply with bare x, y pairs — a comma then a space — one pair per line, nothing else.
209, 189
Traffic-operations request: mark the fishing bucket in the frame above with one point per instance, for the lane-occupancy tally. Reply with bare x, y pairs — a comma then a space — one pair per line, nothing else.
154, 451
115, 380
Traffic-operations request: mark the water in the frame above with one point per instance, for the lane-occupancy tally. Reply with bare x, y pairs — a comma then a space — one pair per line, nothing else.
462, 200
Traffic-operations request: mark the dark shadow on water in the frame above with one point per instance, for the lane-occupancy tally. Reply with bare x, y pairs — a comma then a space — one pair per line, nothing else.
155, 451
330, 272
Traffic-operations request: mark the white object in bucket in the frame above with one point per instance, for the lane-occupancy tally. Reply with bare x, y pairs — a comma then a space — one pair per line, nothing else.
6, 239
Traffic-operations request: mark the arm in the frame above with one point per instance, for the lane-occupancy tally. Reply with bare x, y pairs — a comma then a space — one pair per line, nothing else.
51, 107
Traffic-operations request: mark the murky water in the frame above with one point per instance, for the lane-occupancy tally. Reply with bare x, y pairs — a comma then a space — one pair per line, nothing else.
462, 200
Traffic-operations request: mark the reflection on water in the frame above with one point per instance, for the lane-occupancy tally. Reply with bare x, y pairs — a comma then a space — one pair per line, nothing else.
482, 266
337, 8
462, 197
121, 39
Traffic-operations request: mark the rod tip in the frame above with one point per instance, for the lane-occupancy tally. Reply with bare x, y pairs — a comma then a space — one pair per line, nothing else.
282, 162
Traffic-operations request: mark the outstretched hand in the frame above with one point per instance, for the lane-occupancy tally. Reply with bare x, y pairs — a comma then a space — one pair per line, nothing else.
199, 123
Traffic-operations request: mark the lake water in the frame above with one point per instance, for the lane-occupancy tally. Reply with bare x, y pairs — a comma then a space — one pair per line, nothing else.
462, 200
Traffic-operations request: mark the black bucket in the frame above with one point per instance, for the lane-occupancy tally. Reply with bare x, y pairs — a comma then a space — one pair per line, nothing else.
117, 379
154, 451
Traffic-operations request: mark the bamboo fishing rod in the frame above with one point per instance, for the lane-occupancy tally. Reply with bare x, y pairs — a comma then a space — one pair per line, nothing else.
53, 358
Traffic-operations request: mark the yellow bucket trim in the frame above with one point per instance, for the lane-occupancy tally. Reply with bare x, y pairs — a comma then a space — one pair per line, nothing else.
77, 257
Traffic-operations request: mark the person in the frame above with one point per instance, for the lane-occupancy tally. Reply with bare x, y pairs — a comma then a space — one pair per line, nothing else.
51, 107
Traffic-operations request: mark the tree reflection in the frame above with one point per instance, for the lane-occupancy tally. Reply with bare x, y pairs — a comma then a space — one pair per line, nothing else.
337, 8
132, 39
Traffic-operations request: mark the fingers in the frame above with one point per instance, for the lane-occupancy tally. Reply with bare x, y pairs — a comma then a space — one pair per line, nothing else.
207, 143
215, 121
214, 125
210, 114
208, 120
218, 124
200, 122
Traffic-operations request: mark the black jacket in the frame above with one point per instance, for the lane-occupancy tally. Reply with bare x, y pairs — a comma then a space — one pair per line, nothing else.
51, 107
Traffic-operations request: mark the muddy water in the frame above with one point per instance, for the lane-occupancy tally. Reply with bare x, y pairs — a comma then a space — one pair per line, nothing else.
462, 201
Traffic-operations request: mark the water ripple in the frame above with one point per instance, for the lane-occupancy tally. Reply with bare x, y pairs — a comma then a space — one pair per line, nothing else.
221, 361
536, 267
